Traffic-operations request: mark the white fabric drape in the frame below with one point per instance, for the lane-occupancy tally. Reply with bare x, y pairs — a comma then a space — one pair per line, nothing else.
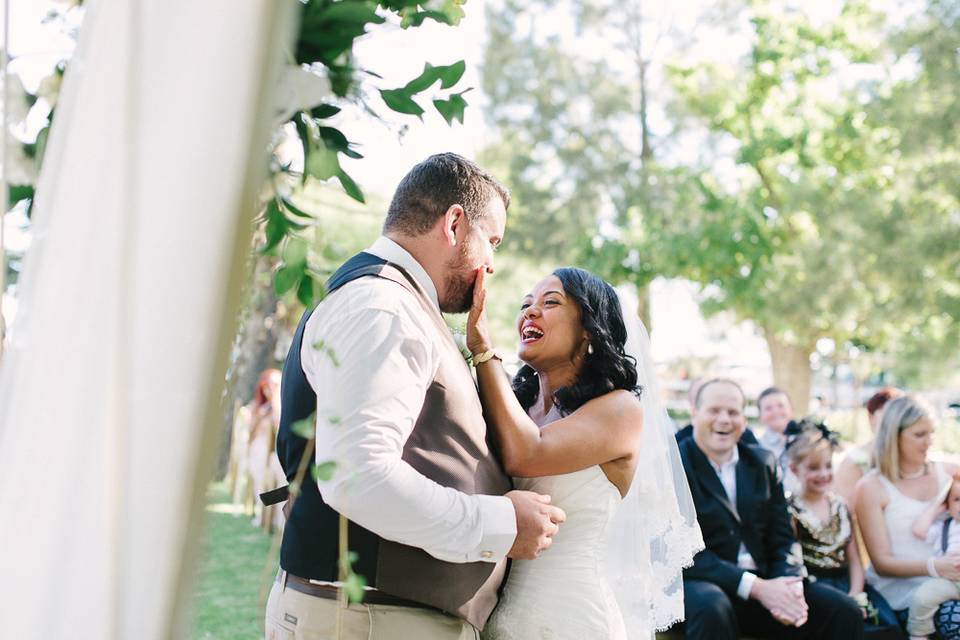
109, 389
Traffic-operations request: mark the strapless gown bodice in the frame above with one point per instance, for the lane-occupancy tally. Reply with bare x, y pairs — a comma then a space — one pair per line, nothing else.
563, 594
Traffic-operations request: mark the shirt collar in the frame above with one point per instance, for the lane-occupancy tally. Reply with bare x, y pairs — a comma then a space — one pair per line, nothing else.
771, 437
391, 251
732, 462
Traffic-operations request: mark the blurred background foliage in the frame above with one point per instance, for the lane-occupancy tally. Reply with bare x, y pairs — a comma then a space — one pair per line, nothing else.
799, 163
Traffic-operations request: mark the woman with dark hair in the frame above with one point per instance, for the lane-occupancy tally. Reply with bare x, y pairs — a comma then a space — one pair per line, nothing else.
581, 426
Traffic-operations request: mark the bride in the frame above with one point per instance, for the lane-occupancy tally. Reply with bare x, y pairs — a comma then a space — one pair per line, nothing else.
582, 425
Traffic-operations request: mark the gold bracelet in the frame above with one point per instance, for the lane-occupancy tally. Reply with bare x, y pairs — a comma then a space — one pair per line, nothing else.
489, 354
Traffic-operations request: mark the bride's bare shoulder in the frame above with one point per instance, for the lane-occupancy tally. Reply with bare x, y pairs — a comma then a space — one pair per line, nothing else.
619, 405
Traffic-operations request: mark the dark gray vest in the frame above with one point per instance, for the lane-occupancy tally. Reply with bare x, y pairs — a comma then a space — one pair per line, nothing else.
448, 445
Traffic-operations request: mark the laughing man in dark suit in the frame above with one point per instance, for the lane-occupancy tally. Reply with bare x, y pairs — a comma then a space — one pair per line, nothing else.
687, 431
749, 577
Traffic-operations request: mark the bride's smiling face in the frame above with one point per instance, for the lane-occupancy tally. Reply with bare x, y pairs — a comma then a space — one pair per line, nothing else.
550, 327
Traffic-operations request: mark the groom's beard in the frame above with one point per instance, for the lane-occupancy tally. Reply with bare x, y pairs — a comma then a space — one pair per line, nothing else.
459, 283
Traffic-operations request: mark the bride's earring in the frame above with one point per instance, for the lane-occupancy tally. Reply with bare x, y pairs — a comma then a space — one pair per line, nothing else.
590, 349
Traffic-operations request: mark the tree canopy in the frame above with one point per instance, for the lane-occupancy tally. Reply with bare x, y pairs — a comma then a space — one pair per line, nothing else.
820, 202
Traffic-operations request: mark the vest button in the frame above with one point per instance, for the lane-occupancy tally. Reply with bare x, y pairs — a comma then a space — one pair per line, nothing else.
486, 555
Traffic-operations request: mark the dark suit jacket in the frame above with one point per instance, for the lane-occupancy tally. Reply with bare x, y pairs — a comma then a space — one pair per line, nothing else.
747, 435
760, 519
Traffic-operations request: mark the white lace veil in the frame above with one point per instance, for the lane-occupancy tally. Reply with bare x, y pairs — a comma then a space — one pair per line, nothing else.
655, 532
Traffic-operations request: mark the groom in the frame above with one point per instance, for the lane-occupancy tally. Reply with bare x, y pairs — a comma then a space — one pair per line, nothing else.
395, 407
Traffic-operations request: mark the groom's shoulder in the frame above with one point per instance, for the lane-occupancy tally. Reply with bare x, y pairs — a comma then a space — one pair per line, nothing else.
369, 296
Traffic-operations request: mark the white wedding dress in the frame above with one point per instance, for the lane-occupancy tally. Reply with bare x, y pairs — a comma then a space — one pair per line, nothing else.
564, 593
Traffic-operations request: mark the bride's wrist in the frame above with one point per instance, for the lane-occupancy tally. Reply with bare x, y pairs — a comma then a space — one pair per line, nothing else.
485, 355
481, 347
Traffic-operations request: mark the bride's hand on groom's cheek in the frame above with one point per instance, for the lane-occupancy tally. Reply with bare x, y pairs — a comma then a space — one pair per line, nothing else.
478, 336
537, 522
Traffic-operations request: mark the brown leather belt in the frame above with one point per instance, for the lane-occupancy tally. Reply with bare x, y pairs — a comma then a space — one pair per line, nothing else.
330, 592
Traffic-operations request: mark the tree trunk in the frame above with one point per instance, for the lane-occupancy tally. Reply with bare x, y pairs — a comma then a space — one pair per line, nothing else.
643, 307
635, 34
791, 370
254, 349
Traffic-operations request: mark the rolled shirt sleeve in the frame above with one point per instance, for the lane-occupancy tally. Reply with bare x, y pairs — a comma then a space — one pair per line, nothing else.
373, 367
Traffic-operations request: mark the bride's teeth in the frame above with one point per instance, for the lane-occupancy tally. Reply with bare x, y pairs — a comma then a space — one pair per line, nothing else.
532, 332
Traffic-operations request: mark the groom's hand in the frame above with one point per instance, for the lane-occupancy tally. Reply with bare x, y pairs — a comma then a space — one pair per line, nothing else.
537, 522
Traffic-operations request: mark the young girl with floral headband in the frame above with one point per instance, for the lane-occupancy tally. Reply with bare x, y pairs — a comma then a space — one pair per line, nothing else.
823, 526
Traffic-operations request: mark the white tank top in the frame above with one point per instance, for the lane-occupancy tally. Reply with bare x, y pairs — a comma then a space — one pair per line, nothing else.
899, 516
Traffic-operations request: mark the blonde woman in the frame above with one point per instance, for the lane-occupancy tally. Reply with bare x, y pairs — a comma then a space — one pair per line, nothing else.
858, 460
891, 497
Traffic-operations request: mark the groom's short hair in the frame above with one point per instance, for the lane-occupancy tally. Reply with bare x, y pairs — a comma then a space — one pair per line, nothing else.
436, 184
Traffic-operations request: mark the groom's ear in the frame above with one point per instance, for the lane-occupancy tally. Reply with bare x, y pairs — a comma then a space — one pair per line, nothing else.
454, 218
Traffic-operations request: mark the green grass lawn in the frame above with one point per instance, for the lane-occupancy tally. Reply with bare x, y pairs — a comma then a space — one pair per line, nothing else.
227, 604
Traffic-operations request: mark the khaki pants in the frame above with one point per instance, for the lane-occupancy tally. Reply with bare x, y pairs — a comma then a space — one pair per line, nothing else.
292, 615
926, 600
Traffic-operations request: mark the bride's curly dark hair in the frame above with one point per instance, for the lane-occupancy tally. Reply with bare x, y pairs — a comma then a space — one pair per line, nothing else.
606, 369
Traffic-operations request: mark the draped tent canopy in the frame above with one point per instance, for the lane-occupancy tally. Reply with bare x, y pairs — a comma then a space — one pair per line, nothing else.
110, 388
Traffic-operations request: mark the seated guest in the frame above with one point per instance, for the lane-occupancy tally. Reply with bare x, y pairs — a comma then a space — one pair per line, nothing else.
822, 523
859, 459
749, 578
890, 499
687, 431
776, 416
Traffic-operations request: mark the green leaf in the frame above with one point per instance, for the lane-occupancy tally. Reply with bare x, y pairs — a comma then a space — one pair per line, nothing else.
429, 76
286, 277
333, 138
322, 347
350, 186
277, 225
323, 471
19, 192
323, 163
450, 13
303, 132
41, 145
324, 111
295, 252
305, 290
305, 428
295, 226
401, 102
294, 209
448, 76
451, 74
453, 108
351, 11
354, 585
